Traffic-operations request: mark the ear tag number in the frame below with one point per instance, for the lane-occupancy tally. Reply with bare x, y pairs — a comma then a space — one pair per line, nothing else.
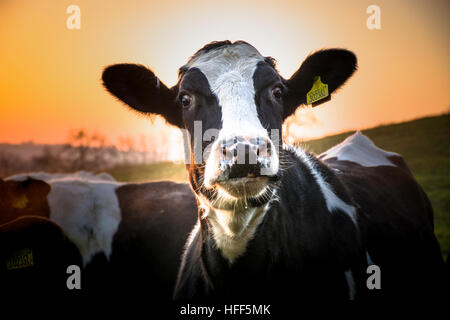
22, 258
318, 92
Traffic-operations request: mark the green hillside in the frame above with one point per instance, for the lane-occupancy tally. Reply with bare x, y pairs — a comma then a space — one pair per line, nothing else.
424, 144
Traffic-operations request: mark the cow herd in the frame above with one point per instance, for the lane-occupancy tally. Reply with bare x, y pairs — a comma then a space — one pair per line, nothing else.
122, 236
259, 220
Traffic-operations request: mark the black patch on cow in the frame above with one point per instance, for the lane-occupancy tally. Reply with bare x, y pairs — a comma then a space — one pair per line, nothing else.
50, 253
397, 227
269, 109
205, 109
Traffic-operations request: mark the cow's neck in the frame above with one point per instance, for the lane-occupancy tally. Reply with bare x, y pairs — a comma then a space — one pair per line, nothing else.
233, 229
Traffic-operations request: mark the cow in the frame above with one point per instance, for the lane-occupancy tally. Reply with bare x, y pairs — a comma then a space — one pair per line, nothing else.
34, 256
129, 235
275, 221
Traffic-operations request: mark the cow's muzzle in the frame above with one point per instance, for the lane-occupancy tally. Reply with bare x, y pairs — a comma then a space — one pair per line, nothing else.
244, 157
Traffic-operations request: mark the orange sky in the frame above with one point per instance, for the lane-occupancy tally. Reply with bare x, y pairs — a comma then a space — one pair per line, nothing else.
49, 75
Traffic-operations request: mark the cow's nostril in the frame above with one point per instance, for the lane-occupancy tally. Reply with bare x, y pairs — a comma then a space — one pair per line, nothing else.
268, 148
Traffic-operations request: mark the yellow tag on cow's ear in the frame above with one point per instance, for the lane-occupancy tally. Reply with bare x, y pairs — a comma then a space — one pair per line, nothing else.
21, 202
19, 259
318, 92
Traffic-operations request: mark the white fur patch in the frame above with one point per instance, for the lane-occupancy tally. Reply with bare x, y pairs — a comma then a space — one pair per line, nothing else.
360, 149
45, 176
229, 71
332, 200
192, 235
85, 206
233, 230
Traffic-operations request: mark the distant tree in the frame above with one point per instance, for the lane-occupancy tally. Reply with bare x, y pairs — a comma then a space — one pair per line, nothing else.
49, 161
86, 151
11, 164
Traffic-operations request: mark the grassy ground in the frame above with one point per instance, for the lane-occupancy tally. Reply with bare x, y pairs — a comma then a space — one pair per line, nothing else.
424, 144
150, 172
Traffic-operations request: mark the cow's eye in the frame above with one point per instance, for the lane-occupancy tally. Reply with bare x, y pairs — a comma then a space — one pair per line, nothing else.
277, 92
186, 100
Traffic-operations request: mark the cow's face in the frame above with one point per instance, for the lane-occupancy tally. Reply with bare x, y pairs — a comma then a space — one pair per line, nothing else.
232, 102
234, 96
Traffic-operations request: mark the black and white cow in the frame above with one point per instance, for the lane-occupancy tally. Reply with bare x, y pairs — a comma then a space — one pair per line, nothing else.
129, 235
278, 222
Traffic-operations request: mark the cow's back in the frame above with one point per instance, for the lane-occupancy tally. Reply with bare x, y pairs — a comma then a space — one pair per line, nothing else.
395, 215
147, 247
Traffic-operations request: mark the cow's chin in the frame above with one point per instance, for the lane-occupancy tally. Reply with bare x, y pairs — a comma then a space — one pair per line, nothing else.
238, 188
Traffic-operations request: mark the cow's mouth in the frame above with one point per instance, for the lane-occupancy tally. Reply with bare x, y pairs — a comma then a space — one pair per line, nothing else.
246, 187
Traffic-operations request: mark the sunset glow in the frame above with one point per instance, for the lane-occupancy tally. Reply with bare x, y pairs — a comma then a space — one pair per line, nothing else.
50, 75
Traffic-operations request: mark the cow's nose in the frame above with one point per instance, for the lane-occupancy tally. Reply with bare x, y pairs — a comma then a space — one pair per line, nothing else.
244, 156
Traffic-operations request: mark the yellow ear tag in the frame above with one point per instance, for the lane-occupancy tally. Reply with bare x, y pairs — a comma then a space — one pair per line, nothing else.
20, 203
22, 258
318, 92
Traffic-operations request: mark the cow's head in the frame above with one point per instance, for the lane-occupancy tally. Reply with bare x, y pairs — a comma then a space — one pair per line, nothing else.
20, 198
232, 102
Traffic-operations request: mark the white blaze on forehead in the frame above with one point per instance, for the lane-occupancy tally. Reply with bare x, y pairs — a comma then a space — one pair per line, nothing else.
229, 71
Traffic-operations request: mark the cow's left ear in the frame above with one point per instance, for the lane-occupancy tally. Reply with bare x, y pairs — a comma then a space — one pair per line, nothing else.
333, 66
141, 89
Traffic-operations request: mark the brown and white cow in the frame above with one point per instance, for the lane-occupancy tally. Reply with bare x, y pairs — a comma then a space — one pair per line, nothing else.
278, 222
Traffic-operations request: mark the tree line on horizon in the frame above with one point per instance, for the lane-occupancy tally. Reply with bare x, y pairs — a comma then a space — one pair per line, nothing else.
83, 151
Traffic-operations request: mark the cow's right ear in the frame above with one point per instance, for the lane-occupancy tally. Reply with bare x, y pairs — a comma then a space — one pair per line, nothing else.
140, 89
332, 67
36, 187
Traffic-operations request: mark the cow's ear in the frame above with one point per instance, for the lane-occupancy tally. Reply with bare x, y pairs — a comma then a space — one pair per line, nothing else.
140, 89
35, 187
333, 66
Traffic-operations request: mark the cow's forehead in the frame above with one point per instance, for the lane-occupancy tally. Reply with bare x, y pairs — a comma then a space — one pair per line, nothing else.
231, 53
240, 57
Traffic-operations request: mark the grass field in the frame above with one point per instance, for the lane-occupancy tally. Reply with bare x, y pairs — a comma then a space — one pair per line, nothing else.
424, 144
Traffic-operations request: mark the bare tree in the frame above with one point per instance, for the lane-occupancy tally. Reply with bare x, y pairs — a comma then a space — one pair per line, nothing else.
86, 151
